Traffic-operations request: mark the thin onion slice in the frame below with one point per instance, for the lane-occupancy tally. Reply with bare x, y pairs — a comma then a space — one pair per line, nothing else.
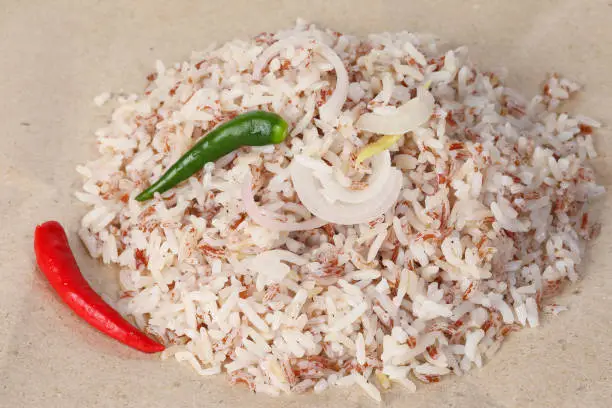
381, 168
309, 192
275, 225
406, 118
332, 108
277, 47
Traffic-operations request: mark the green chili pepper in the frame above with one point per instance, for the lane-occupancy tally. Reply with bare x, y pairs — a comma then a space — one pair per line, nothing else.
257, 128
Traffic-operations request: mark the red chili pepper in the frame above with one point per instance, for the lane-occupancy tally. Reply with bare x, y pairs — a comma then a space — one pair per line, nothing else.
56, 261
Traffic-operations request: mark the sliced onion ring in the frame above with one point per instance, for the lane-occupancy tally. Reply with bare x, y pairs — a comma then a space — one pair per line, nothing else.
308, 190
408, 117
272, 224
381, 169
332, 108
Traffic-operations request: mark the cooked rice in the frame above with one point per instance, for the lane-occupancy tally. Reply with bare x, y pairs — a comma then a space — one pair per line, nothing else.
489, 224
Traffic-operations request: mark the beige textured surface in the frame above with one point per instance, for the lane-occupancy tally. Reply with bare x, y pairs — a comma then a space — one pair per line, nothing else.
56, 56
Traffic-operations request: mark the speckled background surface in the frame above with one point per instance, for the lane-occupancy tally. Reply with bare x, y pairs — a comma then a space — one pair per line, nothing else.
56, 56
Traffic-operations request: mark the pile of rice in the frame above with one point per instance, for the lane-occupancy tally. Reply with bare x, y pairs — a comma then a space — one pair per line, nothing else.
489, 224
